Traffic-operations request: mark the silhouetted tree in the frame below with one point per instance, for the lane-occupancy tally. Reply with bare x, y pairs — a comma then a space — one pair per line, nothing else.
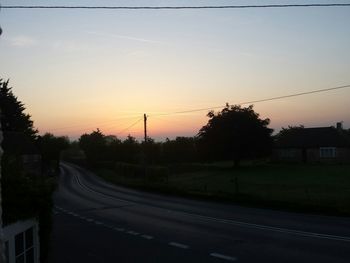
131, 150
182, 149
235, 133
50, 148
18, 130
23, 195
152, 151
114, 148
95, 147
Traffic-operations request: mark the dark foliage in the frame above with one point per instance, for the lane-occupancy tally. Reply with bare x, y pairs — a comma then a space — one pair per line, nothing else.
180, 150
19, 133
51, 147
235, 133
95, 147
24, 195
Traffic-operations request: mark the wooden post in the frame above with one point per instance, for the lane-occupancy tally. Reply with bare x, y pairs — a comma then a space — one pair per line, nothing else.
145, 126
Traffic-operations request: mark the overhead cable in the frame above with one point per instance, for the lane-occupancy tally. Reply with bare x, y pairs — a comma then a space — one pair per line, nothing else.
174, 7
255, 101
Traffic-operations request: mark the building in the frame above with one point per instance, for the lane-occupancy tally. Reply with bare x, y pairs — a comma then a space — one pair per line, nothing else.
312, 145
21, 242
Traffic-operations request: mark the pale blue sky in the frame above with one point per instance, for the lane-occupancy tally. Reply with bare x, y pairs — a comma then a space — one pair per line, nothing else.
85, 67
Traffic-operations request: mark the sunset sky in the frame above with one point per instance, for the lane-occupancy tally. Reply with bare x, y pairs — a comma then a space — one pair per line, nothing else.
77, 70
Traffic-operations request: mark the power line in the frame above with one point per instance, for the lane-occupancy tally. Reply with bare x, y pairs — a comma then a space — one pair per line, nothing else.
174, 7
212, 108
104, 123
129, 127
254, 101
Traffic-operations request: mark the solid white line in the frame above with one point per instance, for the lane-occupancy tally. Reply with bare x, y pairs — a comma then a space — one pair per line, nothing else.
147, 237
174, 244
234, 222
269, 228
221, 256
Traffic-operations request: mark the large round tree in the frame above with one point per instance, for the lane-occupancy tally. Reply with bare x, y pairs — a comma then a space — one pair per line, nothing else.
235, 133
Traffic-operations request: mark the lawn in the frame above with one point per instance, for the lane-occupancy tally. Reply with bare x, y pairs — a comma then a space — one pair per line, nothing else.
314, 188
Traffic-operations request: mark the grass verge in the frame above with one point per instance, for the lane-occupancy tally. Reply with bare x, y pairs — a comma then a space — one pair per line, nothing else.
318, 188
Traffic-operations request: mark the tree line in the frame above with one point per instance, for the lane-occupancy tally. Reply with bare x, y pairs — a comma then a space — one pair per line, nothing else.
235, 133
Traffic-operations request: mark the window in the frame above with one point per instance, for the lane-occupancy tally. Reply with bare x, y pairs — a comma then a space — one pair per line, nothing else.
328, 152
288, 153
24, 246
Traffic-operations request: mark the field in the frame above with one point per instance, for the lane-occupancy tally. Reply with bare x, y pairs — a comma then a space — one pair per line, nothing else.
311, 188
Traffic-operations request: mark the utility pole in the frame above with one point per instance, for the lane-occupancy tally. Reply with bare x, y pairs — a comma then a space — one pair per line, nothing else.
145, 126
145, 145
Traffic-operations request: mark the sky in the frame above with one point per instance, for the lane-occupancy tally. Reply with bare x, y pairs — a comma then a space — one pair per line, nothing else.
78, 70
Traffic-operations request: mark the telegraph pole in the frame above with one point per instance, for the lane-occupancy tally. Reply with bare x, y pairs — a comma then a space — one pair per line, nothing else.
145, 145
145, 126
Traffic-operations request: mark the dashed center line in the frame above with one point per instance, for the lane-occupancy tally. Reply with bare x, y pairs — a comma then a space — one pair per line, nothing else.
221, 256
179, 245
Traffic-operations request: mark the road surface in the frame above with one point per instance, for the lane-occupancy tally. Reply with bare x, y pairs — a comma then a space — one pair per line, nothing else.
95, 221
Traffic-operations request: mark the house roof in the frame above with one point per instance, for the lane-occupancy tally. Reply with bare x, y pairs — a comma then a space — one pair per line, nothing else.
313, 137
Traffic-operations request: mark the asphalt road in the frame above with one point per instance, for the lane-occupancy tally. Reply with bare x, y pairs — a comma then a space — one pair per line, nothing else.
95, 221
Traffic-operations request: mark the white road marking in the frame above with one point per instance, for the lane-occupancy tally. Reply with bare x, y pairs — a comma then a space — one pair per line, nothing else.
268, 228
89, 220
119, 229
98, 223
174, 244
133, 233
230, 221
99, 193
147, 237
221, 256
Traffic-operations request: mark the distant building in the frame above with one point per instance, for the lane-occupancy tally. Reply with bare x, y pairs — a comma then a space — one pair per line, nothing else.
311, 145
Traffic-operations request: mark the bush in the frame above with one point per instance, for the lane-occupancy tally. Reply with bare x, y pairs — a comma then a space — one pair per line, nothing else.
29, 196
151, 173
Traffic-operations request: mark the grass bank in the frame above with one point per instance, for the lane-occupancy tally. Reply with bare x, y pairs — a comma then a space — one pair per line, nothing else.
308, 188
